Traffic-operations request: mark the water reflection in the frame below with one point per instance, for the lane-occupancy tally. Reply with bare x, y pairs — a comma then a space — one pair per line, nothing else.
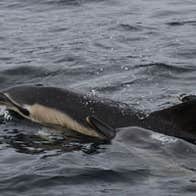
30, 138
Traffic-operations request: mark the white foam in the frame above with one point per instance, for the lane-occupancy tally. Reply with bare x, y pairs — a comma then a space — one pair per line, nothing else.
49, 134
164, 139
5, 113
2, 110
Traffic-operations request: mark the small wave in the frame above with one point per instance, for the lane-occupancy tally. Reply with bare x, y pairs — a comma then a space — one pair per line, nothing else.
68, 2
133, 27
165, 66
63, 2
127, 27
181, 23
67, 59
118, 86
110, 88
189, 53
24, 70
84, 176
5, 58
58, 29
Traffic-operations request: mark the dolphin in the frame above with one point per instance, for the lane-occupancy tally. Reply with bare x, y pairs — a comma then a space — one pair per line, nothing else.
96, 117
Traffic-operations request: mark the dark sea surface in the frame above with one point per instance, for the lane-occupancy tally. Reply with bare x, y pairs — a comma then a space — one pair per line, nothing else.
142, 53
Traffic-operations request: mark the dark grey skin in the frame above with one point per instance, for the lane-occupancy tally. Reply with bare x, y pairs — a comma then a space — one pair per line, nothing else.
77, 105
178, 121
106, 115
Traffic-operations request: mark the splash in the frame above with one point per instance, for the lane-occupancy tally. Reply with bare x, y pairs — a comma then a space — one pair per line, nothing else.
164, 139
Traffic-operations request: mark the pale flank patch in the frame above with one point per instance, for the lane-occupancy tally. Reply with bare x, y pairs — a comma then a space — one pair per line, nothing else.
50, 116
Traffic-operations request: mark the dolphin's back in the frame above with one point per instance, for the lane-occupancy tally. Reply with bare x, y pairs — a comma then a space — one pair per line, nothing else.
75, 104
178, 120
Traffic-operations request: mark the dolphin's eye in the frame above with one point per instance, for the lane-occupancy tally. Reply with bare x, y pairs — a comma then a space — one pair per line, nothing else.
24, 111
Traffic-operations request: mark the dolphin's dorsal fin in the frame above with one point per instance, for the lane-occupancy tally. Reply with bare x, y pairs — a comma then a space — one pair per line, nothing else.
178, 120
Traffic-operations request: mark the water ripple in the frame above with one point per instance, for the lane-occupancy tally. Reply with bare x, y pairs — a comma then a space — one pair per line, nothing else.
181, 23
138, 52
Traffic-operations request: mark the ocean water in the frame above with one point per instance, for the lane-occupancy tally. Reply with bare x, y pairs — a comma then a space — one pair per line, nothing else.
142, 53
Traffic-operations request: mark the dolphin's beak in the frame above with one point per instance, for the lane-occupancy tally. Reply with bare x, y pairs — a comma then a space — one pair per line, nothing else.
3, 100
